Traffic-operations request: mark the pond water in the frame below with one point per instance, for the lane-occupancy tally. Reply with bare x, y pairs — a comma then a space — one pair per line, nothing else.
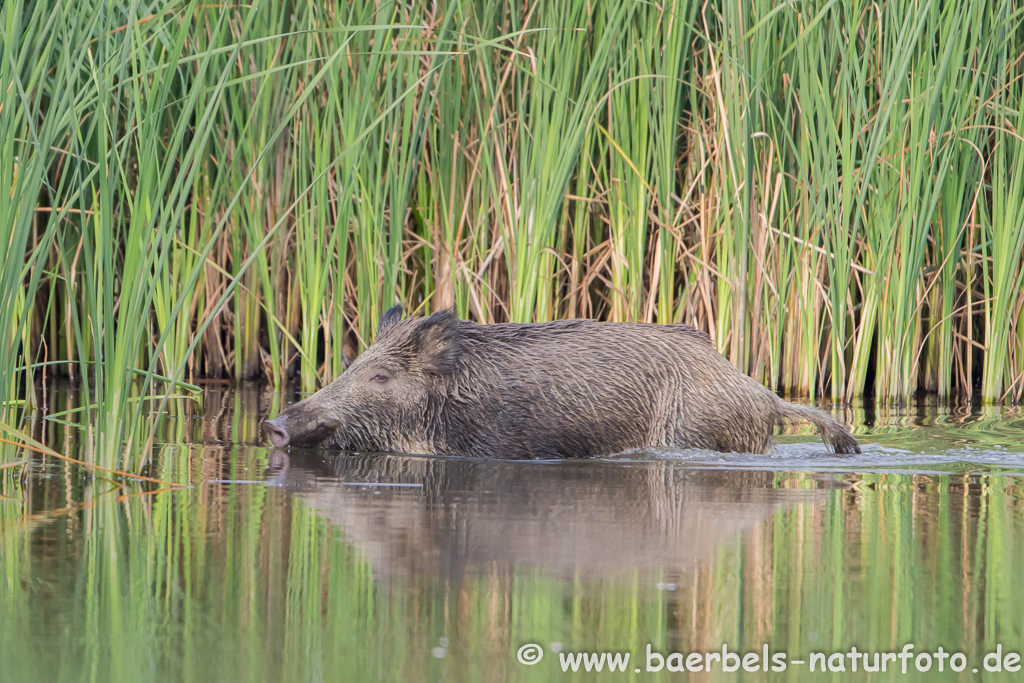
318, 566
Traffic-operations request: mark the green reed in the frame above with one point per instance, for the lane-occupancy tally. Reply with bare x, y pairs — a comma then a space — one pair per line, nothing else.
629, 182
1002, 225
832, 191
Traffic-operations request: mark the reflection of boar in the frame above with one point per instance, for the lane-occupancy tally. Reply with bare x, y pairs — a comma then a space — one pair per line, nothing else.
575, 388
450, 517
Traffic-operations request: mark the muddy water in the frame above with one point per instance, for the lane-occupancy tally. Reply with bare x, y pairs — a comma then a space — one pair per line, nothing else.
318, 566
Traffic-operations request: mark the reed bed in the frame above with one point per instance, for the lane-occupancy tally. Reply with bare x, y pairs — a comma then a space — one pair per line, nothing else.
834, 191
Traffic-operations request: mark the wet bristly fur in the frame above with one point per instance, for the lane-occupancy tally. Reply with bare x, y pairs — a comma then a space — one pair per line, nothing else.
573, 388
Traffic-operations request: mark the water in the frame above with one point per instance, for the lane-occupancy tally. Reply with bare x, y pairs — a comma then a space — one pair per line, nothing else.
312, 566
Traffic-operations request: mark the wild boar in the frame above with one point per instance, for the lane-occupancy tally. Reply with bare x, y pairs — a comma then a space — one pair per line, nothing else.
567, 389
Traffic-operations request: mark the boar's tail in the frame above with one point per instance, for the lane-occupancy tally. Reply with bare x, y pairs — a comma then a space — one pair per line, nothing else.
832, 431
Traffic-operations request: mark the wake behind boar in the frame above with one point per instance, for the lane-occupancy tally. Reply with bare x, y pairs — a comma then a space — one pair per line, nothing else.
574, 388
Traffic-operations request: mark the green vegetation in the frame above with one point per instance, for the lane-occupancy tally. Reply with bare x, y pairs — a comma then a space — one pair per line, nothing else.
835, 191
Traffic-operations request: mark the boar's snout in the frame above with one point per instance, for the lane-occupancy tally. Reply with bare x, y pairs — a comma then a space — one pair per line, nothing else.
277, 431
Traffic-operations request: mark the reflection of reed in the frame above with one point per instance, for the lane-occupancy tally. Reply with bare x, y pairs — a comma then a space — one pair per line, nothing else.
232, 581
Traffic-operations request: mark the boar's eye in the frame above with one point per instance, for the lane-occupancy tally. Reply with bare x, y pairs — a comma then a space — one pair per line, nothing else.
380, 379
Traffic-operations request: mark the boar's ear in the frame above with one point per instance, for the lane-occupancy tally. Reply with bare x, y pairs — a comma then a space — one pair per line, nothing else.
436, 341
390, 317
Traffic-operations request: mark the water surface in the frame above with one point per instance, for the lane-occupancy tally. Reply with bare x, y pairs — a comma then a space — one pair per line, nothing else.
318, 566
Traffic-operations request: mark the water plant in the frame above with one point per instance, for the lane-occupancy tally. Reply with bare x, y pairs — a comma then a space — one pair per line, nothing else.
190, 190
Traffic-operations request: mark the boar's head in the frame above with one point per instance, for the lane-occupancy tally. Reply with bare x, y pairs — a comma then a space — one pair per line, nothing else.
388, 399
